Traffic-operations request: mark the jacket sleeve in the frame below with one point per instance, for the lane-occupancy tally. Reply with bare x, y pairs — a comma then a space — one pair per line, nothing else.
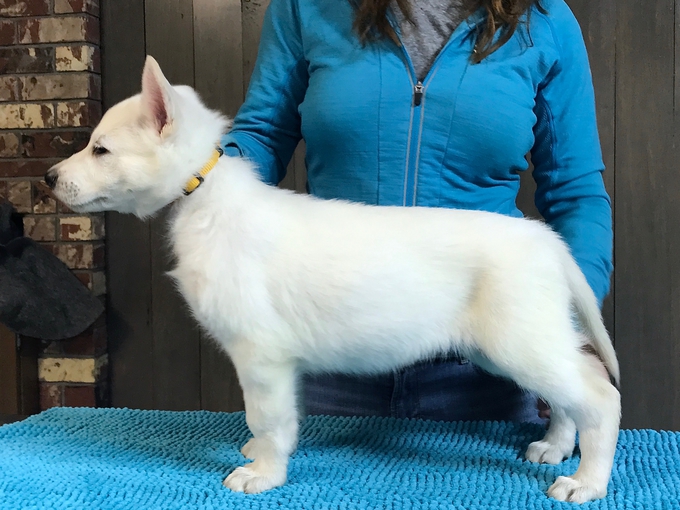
266, 129
567, 158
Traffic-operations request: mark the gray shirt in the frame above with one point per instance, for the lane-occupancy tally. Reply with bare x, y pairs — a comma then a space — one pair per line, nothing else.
434, 22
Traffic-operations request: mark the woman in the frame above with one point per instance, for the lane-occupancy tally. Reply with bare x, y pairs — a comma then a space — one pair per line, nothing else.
432, 103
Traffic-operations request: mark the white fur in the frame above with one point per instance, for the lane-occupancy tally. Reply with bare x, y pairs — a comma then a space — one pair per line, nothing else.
287, 283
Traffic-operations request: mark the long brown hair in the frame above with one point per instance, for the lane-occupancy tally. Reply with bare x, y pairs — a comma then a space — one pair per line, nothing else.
502, 17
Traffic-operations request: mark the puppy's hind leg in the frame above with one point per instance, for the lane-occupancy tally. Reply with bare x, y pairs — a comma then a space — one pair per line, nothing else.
553, 367
578, 392
558, 443
597, 415
271, 415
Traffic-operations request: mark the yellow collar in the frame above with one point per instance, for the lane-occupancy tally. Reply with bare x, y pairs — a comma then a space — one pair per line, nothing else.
198, 178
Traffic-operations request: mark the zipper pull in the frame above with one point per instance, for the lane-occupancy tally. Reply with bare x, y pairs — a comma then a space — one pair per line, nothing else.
418, 94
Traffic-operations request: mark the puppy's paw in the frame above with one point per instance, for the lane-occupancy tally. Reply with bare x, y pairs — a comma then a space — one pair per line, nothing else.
545, 452
253, 479
575, 491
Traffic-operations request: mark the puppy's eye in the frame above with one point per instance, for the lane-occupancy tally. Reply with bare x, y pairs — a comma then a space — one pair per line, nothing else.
98, 150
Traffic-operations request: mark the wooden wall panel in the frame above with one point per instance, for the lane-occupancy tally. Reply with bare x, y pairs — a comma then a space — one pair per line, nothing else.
9, 376
647, 214
19, 392
218, 54
252, 16
675, 273
128, 240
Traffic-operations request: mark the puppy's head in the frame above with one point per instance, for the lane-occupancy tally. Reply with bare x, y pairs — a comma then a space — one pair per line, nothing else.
138, 155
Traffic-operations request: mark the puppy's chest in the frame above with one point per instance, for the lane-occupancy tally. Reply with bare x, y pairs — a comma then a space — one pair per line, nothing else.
214, 271
204, 267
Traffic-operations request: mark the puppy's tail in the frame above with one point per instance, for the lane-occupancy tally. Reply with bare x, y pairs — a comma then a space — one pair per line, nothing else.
590, 317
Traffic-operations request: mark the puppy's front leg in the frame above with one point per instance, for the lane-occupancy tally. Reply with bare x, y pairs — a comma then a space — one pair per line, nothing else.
269, 394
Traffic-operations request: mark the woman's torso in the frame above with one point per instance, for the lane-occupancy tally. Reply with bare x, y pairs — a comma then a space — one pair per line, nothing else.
370, 138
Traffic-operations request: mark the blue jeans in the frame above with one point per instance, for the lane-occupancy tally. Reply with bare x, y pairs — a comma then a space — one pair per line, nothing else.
446, 390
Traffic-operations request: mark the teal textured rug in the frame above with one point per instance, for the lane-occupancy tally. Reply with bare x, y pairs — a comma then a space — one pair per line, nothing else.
120, 459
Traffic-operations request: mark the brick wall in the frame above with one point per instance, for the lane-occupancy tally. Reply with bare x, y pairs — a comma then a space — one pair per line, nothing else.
50, 98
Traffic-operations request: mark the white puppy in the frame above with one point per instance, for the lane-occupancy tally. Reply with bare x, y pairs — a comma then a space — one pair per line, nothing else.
288, 283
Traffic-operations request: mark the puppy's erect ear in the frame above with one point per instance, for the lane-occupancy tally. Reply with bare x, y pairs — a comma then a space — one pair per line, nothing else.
157, 98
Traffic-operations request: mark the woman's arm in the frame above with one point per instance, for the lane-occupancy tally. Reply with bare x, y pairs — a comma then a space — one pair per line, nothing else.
266, 128
567, 157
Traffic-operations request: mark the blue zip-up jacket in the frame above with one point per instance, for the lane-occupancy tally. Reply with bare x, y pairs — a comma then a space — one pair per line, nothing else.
375, 135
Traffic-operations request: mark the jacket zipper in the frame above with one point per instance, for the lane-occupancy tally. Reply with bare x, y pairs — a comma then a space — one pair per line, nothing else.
413, 147
418, 91
417, 110
415, 124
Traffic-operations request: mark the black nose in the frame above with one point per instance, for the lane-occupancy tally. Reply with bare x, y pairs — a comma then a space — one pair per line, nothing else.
51, 178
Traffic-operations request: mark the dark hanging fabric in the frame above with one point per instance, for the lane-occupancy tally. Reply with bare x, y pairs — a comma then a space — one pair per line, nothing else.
39, 295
